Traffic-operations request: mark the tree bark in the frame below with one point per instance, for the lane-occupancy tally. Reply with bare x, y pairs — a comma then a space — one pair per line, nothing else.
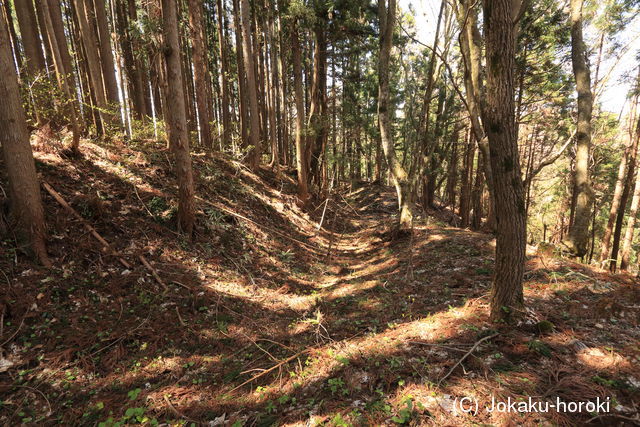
629, 153
242, 80
91, 48
498, 114
317, 123
12, 34
578, 238
224, 77
62, 64
387, 16
200, 73
631, 223
252, 94
26, 211
106, 54
28, 25
301, 164
176, 118
470, 41
249, 68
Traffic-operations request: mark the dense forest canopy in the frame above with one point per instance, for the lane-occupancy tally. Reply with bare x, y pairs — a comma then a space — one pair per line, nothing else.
516, 119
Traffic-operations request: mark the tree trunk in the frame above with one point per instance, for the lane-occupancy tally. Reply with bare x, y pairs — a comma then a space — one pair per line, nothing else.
62, 63
26, 210
132, 65
467, 179
274, 114
12, 34
578, 238
200, 73
28, 25
498, 114
252, 93
106, 55
34, 57
477, 193
242, 80
387, 16
224, 77
317, 124
471, 49
90, 42
301, 164
629, 153
176, 118
633, 216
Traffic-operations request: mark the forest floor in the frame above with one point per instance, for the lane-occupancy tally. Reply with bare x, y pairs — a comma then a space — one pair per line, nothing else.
266, 318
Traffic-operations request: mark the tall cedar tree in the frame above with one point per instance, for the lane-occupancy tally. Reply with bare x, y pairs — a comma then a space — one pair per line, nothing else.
200, 73
26, 212
578, 238
387, 17
177, 118
498, 116
252, 91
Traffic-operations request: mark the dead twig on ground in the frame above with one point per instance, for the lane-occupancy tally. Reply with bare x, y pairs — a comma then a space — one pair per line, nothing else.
271, 369
16, 331
176, 412
480, 341
107, 247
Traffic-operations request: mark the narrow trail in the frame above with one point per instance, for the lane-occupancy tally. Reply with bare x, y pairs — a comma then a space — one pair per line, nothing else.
268, 320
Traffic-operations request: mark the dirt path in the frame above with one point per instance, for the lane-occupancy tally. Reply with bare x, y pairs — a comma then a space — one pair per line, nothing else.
268, 321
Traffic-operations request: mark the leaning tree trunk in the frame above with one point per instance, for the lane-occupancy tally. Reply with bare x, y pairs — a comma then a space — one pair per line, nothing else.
24, 193
400, 179
176, 118
254, 112
578, 238
498, 116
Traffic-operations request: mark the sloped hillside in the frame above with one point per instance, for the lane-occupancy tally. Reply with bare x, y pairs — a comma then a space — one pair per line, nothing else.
266, 317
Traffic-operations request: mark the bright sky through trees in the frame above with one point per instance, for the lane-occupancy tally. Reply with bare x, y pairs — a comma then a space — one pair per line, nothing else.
614, 96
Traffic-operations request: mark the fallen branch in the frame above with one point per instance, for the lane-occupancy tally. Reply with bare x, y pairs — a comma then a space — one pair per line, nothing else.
480, 341
153, 271
106, 246
276, 366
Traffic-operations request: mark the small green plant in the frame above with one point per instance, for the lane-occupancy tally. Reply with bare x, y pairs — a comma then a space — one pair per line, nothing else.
217, 220
539, 347
339, 421
405, 414
271, 407
158, 206
286, 256
133, 394
336, 385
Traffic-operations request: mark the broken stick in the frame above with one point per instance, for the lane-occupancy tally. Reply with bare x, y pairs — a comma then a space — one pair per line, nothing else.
106, 246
